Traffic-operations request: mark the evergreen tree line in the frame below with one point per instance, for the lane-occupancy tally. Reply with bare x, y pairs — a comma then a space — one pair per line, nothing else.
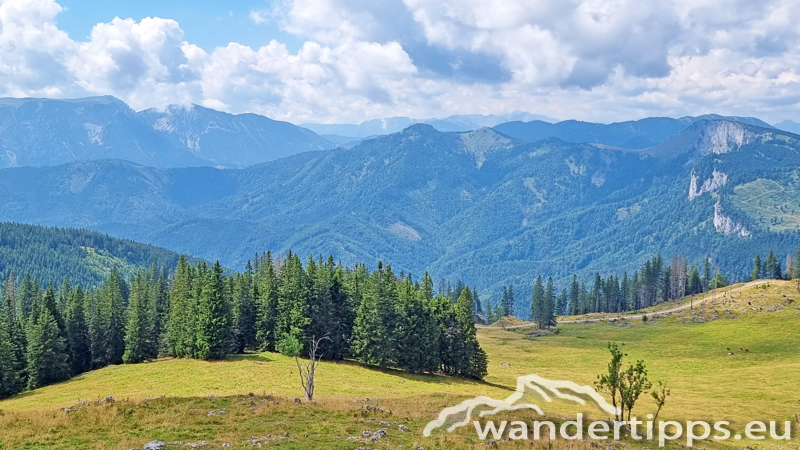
375, 317
654, 283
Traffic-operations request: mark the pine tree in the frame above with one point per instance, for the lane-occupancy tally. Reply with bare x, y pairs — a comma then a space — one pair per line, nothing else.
574, 296
213, 317
10, 380
772, 268
292, 308
28, 292
511, 301
244, 311
548, 305
47, 352
114, 311
706, 274
77, 332
181, 330
695, 283
370, 336
266, 304
140, 325
796, 267
375, 322
537, 302
15, 328
756, 274
475, 358
561, 303
416, 331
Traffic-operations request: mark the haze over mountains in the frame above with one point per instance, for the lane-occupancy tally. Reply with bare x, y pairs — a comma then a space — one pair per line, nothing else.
478, 205
42, 132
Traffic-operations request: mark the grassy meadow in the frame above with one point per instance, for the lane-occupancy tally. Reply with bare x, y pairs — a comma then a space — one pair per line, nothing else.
249, 401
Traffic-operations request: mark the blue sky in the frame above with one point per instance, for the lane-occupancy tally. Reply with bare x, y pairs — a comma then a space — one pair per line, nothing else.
206, 23
347, 61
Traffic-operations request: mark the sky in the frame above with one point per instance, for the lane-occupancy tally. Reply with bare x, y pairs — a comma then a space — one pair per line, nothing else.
347, 61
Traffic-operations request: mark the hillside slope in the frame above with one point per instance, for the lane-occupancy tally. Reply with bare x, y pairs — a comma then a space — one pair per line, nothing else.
170, 399
632, 134
86, 257
479, 205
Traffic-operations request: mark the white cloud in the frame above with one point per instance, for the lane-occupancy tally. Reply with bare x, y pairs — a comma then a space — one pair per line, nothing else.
600, 60
259, 17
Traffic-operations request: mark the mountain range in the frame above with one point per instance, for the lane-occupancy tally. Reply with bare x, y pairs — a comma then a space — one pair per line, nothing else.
376, 127
44, 132
480, 205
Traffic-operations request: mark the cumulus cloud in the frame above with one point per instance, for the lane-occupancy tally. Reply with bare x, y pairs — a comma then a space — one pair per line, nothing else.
600, 60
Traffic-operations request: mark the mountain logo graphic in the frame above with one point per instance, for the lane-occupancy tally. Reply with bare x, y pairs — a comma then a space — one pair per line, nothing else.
530, 388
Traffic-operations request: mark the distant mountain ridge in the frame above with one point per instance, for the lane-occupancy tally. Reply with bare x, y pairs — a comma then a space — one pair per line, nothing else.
43, 132
642, 133
480, 205
379, 127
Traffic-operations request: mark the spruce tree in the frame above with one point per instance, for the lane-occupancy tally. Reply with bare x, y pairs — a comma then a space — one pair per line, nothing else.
416, 331
476, 361
756, 273
15, 328
114, 310
244, 311
796, 268
266, 304
28, 292
47, 352
293, 296
180, 327
706, 274
548, 305
373, 330
772, 268
139, 328
78, 332
537, 302
213, 317
10, 379
574, 296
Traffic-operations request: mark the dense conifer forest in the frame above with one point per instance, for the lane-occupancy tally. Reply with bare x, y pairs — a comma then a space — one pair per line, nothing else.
378, 317
656, 282
86, 257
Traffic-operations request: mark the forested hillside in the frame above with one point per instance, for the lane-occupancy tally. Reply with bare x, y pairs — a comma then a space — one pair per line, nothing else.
634, 134
85, 257
477, 206
375, 317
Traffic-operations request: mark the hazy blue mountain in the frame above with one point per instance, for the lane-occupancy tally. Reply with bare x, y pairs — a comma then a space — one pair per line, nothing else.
41, 132
788, 125
231, 140
45, 132
479, 205
633, 134
390, 125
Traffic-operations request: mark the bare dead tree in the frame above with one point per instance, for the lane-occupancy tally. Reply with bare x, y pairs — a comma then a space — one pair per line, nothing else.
307, 369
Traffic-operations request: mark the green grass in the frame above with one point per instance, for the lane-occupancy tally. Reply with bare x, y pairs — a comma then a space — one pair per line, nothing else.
763, 384
774, 206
